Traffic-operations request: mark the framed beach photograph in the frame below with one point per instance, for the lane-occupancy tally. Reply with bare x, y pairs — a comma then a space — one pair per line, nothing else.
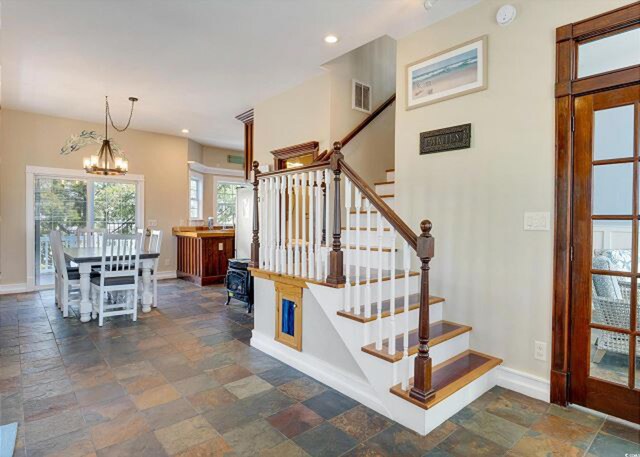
451, 73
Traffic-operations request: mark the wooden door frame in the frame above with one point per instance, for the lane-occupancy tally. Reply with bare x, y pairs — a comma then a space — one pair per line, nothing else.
567, 87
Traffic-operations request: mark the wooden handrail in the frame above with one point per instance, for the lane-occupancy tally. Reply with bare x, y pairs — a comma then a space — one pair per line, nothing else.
326, 155
360, 127
290, 171
401, 227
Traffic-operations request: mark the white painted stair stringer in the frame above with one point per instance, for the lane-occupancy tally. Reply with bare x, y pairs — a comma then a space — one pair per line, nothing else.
382, 375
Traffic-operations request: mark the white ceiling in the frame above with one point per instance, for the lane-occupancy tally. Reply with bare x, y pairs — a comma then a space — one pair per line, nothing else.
194, 64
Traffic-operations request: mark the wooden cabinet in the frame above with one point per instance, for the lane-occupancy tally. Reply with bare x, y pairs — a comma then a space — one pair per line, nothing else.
203, 255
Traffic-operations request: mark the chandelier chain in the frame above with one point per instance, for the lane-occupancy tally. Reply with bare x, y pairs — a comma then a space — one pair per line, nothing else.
111, 119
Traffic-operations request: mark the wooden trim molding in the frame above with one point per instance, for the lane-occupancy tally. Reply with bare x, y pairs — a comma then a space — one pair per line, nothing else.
280, 156
567, 87
247, 119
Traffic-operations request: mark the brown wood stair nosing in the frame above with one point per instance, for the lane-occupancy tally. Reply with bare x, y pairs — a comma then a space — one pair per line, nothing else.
386, 277
439, 332
364, 229
383, 182
414, 303
450, 376
366, 248
390, 170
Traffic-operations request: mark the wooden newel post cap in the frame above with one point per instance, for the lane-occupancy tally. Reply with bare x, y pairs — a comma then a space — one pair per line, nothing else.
337, 146
425, 227
255, 164
426, 242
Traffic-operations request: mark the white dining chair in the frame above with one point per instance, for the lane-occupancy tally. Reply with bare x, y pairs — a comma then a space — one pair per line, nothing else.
67, 279
118, 273
89, 237
155, 243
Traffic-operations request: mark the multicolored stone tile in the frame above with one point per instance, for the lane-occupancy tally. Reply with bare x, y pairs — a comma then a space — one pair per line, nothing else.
263, 436
361, 422
330, 403
294, 420
325, 440
302, 389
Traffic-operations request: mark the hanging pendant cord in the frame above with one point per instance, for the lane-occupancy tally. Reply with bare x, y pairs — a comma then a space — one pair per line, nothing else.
133, 100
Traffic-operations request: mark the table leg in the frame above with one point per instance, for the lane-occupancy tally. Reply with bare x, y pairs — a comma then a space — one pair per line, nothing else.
147, 293
85, 292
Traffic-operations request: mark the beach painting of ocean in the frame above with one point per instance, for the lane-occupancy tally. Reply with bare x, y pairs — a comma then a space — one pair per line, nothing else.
449, 74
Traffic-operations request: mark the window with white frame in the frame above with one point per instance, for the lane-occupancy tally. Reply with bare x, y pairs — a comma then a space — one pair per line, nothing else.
225, 189
196, 182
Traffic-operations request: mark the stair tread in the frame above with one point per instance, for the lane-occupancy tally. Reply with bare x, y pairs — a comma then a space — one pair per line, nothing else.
414, 303
390, 169
383, 182
451, 376
439, 332
363, 211
364, 248
364, 229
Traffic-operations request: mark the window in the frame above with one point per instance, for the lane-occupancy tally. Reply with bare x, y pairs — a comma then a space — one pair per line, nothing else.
195, 196
225, 199
68, 203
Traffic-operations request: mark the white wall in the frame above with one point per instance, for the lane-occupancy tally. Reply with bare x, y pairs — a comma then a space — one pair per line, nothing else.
495, 276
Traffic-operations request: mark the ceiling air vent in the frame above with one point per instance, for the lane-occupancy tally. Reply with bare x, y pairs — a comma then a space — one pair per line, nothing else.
361, 97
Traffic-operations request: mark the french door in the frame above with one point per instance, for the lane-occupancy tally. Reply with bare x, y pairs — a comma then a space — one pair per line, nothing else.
68, 203
605, 341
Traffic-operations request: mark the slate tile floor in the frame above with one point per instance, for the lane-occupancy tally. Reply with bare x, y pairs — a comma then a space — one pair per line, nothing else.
183, 381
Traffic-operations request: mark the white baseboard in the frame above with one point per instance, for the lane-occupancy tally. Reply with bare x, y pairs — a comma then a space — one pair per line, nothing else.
524, 383
13, 288
171, 274
330, 375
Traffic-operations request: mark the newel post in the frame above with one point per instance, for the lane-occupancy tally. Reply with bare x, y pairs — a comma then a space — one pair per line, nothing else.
422, 389
336, 266
255, 241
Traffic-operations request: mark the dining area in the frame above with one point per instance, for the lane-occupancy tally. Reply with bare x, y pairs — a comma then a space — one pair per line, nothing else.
104, 274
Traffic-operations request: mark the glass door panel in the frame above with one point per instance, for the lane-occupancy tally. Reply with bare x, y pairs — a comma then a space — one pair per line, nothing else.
60, 204
114, 207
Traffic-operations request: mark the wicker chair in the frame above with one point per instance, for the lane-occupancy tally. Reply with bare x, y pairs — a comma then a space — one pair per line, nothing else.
609, 308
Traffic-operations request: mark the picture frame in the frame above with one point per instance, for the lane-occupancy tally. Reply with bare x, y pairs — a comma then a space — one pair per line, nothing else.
457, 71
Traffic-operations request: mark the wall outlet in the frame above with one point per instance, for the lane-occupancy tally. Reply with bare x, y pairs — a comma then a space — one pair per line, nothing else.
220, 246
540, 350
153, 223
540, 221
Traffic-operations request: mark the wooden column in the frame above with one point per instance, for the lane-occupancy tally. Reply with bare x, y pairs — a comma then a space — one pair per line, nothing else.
247, 119
422, 389
255, 242
336, 265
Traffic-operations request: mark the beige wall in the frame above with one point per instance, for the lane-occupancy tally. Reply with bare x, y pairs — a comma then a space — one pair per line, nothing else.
296, 116
495, 276
218, 157
33, 139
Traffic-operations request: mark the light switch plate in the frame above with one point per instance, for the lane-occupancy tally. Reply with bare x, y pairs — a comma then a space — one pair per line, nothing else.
220, 246
540, 221
540, 350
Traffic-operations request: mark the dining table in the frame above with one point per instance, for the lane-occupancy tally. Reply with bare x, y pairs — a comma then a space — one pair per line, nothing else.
88, 257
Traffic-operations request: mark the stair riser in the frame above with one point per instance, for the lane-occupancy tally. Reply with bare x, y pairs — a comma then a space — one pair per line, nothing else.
371, 258
385, 189
367, 238
360, 221
391, 175
414, 288
435, 314
388, 200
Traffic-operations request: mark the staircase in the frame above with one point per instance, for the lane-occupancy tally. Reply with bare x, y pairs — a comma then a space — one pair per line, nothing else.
420, 367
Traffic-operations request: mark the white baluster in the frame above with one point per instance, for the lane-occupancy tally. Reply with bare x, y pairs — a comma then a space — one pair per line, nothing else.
290, 232
406, 264
358, 287
303, 237
368, 295
319, 225
327, 217
312, 196
347, 205
283, 224
272, 224
261, 216
276, 223
296, 225
392, 303
379, 319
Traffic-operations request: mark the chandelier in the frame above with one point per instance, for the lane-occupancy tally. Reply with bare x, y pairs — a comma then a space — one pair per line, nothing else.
110, 159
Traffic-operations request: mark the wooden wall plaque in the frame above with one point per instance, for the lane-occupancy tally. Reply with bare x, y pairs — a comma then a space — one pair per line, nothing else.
447, 139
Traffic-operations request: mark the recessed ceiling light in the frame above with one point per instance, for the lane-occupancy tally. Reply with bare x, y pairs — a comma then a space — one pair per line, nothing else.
185, 130
331, 39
